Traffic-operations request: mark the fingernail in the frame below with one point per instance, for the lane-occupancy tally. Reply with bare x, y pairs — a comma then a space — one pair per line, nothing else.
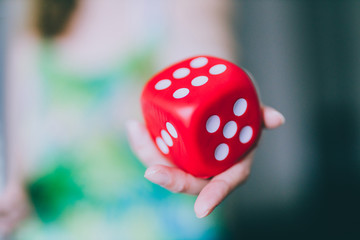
276, 115
202, 212
157, 176
201, 209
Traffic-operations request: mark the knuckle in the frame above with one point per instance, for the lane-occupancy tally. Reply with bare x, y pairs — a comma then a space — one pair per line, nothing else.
180, 186
176, 188
223, 185
173, 185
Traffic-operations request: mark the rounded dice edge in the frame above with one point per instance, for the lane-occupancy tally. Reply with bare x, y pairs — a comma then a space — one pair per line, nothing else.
198, 171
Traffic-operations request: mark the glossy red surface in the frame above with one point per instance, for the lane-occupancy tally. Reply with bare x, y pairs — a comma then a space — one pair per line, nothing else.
185, 96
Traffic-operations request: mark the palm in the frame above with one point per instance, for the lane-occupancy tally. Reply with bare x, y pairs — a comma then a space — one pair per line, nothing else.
211, 192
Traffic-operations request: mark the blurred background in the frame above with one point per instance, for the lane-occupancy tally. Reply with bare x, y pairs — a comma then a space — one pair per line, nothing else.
305, 57
2, 57
305, 181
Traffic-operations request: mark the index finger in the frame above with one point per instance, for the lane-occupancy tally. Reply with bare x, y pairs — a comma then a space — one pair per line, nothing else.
221, 185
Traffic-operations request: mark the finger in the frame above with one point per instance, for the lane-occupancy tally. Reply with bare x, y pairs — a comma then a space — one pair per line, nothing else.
175, 179
6, 226
12, 218
272, 118
143, 146
4, 206
221, 185
5, 229
6, 221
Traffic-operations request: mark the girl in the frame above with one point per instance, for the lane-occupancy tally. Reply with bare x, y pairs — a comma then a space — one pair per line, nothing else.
73, 81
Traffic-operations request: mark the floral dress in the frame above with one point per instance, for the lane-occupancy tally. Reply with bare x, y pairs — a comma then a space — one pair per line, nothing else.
86, 183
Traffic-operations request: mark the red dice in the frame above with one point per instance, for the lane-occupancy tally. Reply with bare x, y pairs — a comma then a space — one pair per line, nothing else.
203, 114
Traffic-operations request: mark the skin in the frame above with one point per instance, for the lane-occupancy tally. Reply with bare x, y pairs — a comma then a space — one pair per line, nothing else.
13, 208
210, 192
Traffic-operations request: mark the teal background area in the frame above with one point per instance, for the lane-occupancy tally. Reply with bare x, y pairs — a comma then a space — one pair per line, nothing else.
305, 181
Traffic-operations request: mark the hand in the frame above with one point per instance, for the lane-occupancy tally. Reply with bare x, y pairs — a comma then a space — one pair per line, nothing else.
211, 192
14, 207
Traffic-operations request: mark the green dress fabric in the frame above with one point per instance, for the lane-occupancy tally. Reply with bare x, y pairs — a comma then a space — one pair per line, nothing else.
87, 183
